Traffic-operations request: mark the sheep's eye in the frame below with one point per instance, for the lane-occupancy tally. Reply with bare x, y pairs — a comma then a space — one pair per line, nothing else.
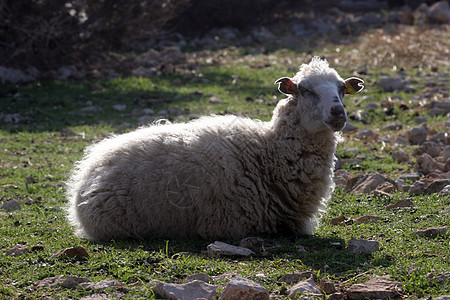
305, 90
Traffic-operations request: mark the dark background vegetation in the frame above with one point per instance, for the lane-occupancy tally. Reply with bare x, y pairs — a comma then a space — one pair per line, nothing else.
48, 33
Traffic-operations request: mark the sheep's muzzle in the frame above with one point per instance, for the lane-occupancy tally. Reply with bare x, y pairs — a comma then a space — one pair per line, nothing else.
337, 119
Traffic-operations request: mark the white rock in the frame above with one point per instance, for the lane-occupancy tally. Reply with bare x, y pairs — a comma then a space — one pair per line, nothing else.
357, 246
375, 288
220, 248
243, 289
308, 287
187, 291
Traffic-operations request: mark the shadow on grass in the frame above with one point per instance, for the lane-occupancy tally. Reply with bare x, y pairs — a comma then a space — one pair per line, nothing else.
320, 254
54, 106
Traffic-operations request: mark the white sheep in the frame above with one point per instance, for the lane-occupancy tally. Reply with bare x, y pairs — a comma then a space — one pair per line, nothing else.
218, 176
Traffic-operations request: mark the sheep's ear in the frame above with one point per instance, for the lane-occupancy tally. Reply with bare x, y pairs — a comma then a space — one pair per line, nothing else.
353, 85
286, 86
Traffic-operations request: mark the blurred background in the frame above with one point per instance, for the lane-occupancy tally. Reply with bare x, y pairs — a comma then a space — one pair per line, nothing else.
61, 39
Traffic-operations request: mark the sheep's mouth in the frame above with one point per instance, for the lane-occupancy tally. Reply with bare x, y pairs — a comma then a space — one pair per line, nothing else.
336, 125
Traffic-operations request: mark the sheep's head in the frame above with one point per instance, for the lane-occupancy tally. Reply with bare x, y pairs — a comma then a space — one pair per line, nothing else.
319, 92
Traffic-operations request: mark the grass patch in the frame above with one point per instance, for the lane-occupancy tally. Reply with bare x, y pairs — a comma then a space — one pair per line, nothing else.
58, 120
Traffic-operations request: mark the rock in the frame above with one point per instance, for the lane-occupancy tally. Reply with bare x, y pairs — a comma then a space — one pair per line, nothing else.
432, 148
199, 276
144, 72
292, 278
102, 296
444, 297
445, 190
11, 205
65, 72
390, 84
341, 218
341, 178
327, 287
366, 183
426, 164
368, 218
307, 287
18, 250
410, 176
243, 289
262, 34
393, 126
15, 76
215, 100
349, 127
431, 231
366, 134
385, 188
78, 252
400, 203
49, 282
120, 107
363, 246
376, 288
71, 282
439, 13
400, 156
255, 244
220, 248
417, 135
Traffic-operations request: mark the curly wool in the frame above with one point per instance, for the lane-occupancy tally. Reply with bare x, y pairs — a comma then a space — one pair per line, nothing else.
215, 177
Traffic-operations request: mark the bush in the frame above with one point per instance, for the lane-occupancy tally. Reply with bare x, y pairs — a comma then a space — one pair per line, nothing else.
48, 33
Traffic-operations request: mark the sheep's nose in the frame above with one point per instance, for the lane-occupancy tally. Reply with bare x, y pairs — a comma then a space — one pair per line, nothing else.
338, 111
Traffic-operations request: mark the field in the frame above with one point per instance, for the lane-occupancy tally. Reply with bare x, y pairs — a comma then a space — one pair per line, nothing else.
45, 126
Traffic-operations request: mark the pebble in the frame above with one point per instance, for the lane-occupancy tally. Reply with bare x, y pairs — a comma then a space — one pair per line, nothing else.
244, 289
358, 246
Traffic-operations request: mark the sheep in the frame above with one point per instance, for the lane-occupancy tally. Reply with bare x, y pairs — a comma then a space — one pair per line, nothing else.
218, 176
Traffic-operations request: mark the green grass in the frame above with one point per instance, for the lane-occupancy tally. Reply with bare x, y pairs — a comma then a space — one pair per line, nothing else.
36, 157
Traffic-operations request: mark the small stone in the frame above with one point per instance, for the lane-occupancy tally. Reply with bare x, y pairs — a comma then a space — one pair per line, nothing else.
386, 187
349, 127
292, 278
439, 13
220, 248
356, 246
400, 203
71, 282
18, 250
390, 84
366, 183
120, 107
368, 218
366, 134
102, 285
11, 205
341, 178
341, 218
376, 288
78, 252
308, 287
199, 276
215, 100
431, 231
426, 164
255, 244
417, 135
400, 156
49, 282
410, 176
327, 287
243, 289
393, 126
